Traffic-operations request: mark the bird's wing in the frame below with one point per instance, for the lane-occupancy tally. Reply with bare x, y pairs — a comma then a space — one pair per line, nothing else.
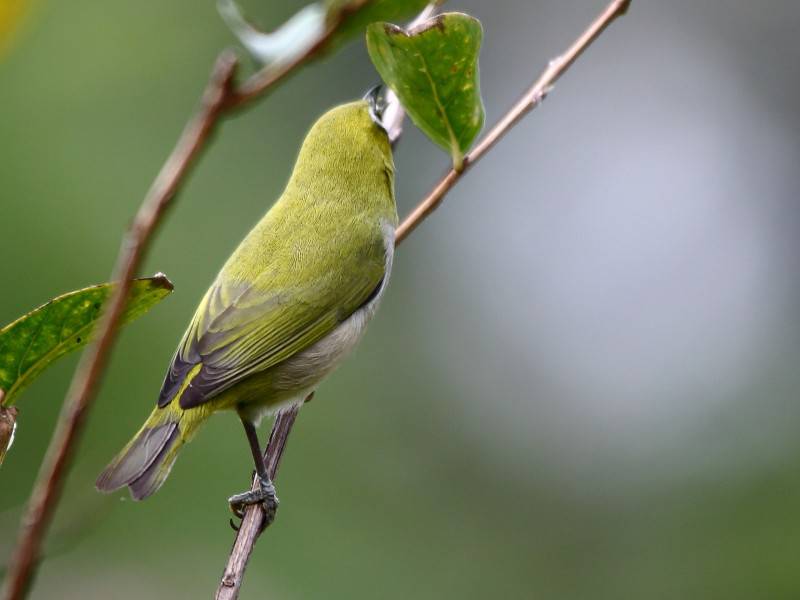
244, 328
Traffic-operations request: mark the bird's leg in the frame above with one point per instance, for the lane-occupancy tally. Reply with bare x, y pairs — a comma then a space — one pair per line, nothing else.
265, 494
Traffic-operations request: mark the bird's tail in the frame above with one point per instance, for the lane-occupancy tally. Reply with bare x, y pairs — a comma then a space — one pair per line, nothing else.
146, 461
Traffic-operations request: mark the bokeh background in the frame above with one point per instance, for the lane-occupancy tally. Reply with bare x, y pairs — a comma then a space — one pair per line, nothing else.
583, 382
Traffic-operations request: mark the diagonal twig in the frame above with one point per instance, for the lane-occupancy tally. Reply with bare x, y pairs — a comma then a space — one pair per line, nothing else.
530, 100
47, 488
221, 97
251, 525
269, 76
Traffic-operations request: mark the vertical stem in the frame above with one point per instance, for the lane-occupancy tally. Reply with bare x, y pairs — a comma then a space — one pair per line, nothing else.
251, 525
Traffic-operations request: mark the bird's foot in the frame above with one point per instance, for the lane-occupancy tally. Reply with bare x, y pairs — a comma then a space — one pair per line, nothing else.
264, 495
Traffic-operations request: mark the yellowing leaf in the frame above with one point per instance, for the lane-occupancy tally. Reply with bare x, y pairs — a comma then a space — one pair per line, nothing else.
11, 12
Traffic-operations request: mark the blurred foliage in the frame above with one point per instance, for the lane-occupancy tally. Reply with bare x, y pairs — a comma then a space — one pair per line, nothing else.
308, 26
433, 69
31, 343
283, 45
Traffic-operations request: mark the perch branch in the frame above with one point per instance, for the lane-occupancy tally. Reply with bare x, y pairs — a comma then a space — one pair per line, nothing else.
253, 521
221, 96
251, 525
530, 100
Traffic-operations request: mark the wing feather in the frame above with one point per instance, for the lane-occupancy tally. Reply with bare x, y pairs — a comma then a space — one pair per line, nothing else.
242, 328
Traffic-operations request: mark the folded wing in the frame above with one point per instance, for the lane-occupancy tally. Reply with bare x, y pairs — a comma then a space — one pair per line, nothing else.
244, 327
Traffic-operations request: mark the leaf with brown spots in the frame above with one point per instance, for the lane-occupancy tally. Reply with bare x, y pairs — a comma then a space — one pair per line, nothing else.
433, 69
66, 323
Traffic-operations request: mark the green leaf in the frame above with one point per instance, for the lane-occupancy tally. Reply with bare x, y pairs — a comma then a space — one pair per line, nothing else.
66, 323
433, 69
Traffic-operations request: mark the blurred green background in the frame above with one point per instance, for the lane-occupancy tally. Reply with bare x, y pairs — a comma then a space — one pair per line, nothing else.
582, 382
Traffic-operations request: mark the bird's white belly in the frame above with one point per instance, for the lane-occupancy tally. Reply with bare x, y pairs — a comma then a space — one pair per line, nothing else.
308, 367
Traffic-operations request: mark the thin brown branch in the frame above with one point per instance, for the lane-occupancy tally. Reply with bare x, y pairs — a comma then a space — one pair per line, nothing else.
530, 100
220, 97
253, 522
47, 489
269, 76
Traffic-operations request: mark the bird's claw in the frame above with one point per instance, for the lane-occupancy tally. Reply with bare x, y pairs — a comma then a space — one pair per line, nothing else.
264, 496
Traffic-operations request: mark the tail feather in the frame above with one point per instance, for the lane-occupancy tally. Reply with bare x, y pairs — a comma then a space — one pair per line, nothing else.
156, 473
145, 462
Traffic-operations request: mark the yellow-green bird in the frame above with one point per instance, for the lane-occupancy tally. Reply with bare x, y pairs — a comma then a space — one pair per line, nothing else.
290, 303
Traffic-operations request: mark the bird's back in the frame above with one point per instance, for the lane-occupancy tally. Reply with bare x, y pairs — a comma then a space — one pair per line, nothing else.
313, 260
289, 303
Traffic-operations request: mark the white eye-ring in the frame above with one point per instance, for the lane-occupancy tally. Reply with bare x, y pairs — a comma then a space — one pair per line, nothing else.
386, 111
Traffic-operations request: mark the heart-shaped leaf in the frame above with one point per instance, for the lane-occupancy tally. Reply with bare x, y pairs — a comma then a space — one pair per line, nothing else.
66, 323
433, 69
